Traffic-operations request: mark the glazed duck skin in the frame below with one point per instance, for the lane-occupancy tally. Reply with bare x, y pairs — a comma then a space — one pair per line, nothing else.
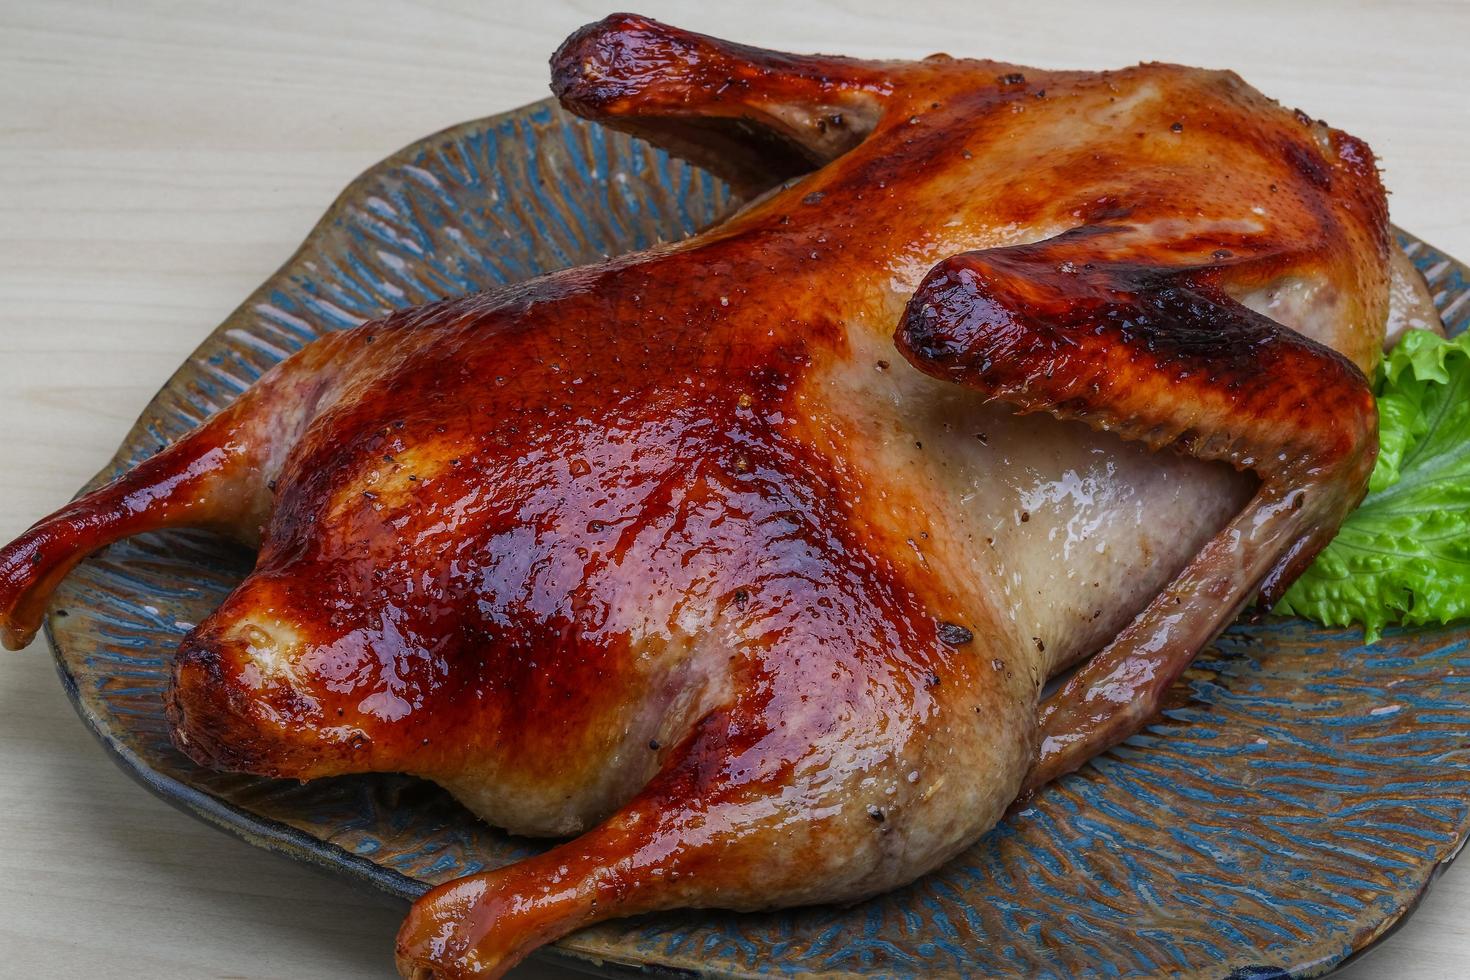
744, 560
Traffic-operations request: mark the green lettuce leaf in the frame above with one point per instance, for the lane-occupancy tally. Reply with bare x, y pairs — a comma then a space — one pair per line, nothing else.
1404, 555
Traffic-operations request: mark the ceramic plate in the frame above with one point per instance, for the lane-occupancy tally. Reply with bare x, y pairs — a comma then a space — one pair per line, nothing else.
1287, 811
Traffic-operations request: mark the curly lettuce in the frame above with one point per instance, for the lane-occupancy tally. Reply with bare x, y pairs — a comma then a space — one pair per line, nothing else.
1403, 557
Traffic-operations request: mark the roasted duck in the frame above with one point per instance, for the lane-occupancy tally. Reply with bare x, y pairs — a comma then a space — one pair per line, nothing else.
743, 561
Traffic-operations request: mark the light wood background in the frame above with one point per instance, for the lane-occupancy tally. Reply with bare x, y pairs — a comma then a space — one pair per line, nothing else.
157, 160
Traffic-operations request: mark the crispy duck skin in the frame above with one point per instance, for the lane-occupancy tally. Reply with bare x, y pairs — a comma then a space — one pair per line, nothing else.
742, 562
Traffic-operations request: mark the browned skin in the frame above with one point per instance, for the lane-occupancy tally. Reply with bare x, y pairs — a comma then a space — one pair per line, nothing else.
677, 554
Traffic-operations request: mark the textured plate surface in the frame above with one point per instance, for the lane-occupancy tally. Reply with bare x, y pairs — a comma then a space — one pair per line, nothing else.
1289, 808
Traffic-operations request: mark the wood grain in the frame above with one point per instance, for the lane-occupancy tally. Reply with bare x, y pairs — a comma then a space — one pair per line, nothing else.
157, 160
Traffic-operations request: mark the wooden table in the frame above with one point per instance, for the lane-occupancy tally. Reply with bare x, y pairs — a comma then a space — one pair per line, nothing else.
158, 159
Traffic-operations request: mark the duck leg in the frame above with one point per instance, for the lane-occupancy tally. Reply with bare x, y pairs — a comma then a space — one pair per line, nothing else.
751, 115
1137, 336
824, 777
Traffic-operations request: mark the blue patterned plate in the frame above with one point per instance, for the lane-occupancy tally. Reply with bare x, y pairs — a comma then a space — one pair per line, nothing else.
1288, 811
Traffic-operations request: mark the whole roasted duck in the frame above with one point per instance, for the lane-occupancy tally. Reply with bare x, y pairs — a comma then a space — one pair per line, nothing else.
743, 561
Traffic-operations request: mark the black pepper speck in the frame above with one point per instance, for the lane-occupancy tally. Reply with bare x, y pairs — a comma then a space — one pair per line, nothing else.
954, 634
